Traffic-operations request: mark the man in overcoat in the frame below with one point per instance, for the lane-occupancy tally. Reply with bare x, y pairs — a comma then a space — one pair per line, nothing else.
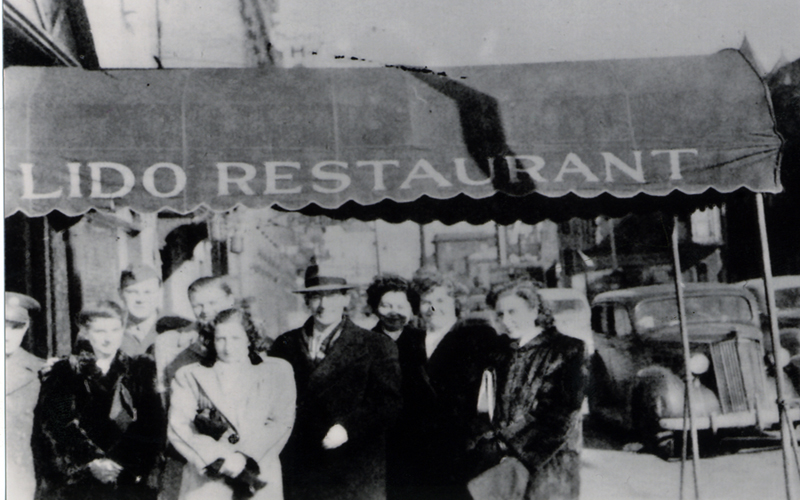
348, 395
22, 391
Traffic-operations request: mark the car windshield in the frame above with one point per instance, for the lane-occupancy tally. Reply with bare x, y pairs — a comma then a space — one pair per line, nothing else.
788, 298
558, 306
709, 309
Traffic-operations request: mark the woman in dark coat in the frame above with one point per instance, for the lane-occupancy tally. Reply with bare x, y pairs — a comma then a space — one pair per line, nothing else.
98, 425
538, 394
441, 368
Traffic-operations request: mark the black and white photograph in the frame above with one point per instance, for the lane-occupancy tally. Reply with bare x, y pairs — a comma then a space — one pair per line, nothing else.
374, 250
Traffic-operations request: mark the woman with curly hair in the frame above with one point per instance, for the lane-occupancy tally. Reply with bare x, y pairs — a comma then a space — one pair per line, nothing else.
532, 397
98, 424
231, 414
392, 300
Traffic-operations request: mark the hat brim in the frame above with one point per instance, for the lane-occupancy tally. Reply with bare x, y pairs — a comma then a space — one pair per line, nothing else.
325, 288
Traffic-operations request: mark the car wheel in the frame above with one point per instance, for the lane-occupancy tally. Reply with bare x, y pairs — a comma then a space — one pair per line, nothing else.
662, 443
666, 444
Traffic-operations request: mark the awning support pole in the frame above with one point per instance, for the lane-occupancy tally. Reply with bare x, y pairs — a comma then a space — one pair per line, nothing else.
686, 353
769, 291
684, 436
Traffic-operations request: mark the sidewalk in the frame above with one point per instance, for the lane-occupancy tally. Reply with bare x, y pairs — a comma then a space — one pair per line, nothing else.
620, 475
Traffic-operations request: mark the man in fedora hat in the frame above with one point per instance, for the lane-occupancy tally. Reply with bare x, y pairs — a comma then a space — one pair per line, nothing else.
348, 394
22, 391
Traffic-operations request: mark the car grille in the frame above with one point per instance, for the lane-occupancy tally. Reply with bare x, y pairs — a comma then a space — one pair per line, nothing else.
739, 369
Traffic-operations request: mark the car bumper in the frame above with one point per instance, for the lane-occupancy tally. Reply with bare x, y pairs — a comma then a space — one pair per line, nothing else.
761, 419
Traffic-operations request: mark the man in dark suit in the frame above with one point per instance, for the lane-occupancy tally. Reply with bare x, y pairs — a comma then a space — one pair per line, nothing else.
348, 395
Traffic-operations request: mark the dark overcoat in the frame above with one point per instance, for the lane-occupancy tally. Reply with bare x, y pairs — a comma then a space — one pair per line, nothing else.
540, 388
430, 440
22, 390
356, 385
83, 415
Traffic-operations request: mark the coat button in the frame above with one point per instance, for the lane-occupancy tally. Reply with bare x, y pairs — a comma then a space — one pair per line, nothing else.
233, 438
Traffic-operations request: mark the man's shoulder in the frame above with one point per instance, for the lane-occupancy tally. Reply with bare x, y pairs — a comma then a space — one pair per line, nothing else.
290, 336
373, 340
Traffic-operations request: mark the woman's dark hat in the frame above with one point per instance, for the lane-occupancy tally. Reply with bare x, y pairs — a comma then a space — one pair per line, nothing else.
316, 283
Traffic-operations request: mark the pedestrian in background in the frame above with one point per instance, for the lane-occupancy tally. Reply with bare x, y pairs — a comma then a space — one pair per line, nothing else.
348, 396
531, 399
22, 390
231, 415
98, 424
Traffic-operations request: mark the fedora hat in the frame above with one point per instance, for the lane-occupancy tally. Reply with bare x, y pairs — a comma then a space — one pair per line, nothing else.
314, 282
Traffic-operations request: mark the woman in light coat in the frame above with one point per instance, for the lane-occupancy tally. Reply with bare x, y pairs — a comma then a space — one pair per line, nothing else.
254, 401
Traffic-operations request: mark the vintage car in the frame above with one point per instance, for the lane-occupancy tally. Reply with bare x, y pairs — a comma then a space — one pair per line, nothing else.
571, 311
637, 371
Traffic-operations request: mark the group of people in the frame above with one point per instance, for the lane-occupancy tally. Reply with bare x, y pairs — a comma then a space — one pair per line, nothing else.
426, 405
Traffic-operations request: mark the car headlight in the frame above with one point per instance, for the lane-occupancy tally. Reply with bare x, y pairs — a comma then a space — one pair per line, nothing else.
784, 356
699, 364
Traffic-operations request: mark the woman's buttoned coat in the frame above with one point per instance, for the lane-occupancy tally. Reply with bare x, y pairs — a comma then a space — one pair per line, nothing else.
260, 410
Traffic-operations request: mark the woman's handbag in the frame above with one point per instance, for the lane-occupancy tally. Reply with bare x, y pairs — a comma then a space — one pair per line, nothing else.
507, 480
211, 422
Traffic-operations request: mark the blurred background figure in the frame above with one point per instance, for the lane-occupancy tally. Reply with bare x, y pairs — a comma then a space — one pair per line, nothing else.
98, 424
537, 386
140, 290
231, 415
22, 389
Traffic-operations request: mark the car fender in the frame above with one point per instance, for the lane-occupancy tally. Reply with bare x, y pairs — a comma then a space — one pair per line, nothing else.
656, 393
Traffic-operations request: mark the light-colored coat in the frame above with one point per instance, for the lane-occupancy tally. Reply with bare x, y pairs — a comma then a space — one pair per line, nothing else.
261, 411
22, 391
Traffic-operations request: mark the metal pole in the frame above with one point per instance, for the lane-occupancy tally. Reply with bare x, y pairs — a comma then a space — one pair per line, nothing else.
773, 329
613, 240
684, 436
686, 352
502, 244
422, 245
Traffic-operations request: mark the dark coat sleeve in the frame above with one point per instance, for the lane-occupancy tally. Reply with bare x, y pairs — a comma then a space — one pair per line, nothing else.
381, 399
61, 447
